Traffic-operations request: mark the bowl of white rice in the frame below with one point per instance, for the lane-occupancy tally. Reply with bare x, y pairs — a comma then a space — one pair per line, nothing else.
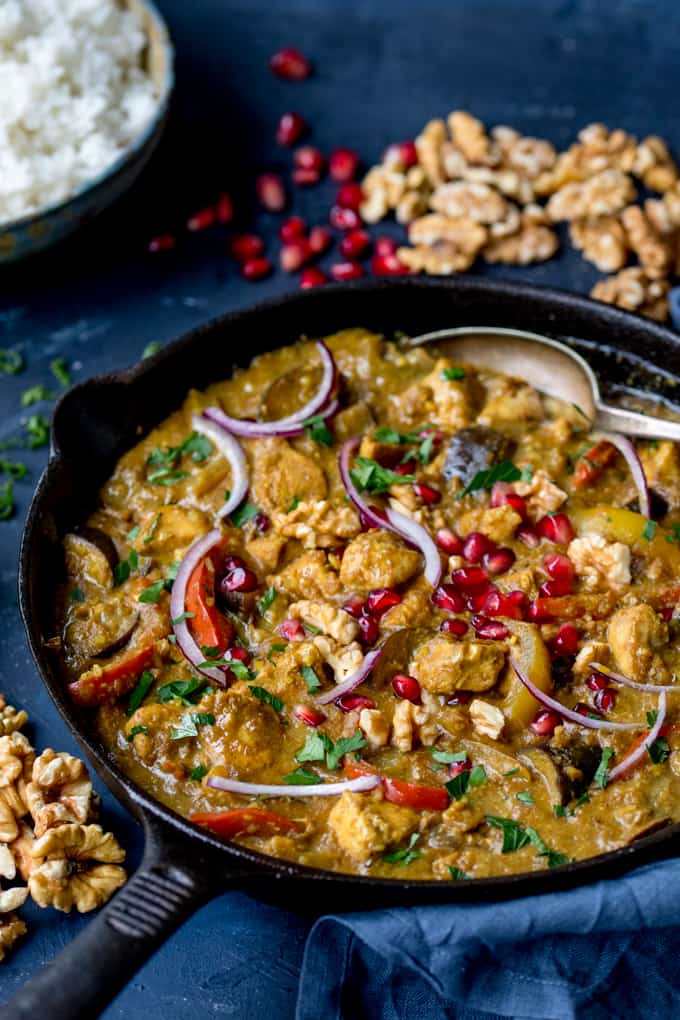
84, 94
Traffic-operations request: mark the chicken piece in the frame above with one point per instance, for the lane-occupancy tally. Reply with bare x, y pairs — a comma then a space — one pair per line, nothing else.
281, 475
509, 402
487, 720
444, 665
149, 730
600, 564
354, 420
167, 533
308, 576
246, 735
377, 559
541, 494
318, 524
498, 523
455, 401
266, 551
592, 651
364, 827
332, 621
635, 634
414, 610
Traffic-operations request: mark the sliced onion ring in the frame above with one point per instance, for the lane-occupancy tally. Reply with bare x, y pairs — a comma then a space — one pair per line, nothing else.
568, 713
619, 678
644, 745
186, 644
219, 418
400, 524
628, 451
353, 680
232, 452
358, 785
283, 426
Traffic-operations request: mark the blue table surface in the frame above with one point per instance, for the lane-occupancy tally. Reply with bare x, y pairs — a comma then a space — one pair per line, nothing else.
382, 70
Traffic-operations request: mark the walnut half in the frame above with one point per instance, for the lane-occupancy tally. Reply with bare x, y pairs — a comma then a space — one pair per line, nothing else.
77, 866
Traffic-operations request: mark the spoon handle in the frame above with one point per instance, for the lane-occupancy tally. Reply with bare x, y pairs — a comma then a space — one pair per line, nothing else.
630, 423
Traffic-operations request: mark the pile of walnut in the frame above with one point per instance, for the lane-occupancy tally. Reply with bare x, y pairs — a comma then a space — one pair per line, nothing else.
47, 835
499, 196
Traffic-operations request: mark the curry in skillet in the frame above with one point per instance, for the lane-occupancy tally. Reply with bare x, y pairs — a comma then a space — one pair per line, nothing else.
368, 609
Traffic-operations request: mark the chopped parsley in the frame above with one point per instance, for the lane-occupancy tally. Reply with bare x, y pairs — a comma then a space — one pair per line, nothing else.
512, 772
124, 568
36, 394
447, 757
602, 770
139, 692
407, 855
649, 530
387, 435
182, 617
317, 430
295, 503
14, 468
506, 471
265, 602
560, 811
370, 476
198, 773
152, 529
659, 750
134, 731
276, 647
166, 476
515, 836
186, 691
188, 727
526, 797
456, 874
464, 781
453, 374
320, 747
675, 534
11, 362
60, 372
151, 348
310, 678
153, 592
425, 449
38, 431
303, 777
166, 460
243, 514
133, 534
6, 501
76, 595
263, 695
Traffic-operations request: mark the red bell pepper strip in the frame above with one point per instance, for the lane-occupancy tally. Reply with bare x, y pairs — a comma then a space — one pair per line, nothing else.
244, 822
398, 791
104, 684
208, 627
590, 466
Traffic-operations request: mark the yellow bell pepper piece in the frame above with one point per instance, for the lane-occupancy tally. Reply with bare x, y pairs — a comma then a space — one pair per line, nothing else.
616, 525
531, 655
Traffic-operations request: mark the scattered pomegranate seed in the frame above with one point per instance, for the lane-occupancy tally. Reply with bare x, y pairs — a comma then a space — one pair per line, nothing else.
566, 640
292, 228
354, 244
291, 64
344, 219
538, 613
388, 265
292, 630
354, 702
343, 164
449, 542
427, 493
407, 467
556, 528
528, 537
459, 698
164, 242
256, 269
490, 629
308, 715
224, 208
544, 723
498, 561
261, 522
239, 579
294, 255
667, 613
583, 709
271, 192
291, 129
246, 246
305, 178
237, 652
499, 491
605, 699
456, 627
232, 563
320, 239
368, 629
201, 220
312, 277
346, 271
406, 687
350, 196
471, 580
476, 546
475, 602
560, 568
497, 604
355, 606
520, 598
381, 599
385, 246
554, 589
447, 598
456, 767
403, 153
309, 158
518, 504
596, 682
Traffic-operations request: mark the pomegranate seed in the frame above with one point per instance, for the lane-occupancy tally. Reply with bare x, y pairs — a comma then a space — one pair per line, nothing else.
554, 589
256, 269
291, 129
586, 710
597, 682
368, 629
354, 702
388, 265
518, 504
305, 178
343, 164
403, 153
427, 493
292, 630
476, 546
605, 699
406, 687
498, 493
447, 598
490, 629
312, 277
350, 196
308, 715
459, 698
544, 723
271, 192
556, 528
475, 602
309, 158
498, 561
261, 522
355, 606
456, 767
232, 563
346, 271
354, 244
290, 64
566, 640
456, 627
294, 255
368, 524
224, 208
408, 467
320, 238
471, 580
537, 612
344, 219
239, 579
497, 604
449, 542
385, 246
666, 613
559, 567
380, 600
520, 598
528, 537
164, 242
292, 229
237, 652
201, 220
246, 246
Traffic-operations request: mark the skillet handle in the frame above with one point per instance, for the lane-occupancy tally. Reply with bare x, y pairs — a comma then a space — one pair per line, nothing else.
170, 884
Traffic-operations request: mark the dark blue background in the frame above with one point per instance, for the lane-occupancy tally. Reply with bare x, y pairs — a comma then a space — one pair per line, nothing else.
382, 70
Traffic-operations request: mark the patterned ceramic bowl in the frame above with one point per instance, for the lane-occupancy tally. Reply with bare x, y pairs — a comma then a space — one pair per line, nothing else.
39, 230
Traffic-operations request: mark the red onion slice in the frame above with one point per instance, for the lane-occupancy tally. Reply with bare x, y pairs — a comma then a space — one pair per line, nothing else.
628, 451
359, 785
220, 419
619, 678
185, 642
283, 426
232, 452
400, 524
353, 680
568, 713
643, 747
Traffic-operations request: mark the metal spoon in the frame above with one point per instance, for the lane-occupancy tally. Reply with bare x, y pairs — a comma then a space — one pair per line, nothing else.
550, 367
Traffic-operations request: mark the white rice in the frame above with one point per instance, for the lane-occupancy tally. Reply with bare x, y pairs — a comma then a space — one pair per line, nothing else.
73, 95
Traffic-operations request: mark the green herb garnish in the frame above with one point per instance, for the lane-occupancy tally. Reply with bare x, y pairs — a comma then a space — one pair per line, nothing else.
370, 476
320, 747
36, 394
317, 430
6, 501
11, 362
526, 797
649, 530
182, 617
188, 727
133, 534
262, 694
265, 602
124, 568
14, 468
186, 691
38, 431
295, 503
659, 750
139, 692
76, 595
152, 530
60, 372
153, 592
512, 772
243, 514
464, 781
303, 777
514, 835
134, 731
600, 776
407, 855
310, 678
151, 348
447, 757
198, 773
506, 471
453, 374
457, 874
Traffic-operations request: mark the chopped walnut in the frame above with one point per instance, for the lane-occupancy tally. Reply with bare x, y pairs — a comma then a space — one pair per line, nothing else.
16, 763
477, 201
8, 868
486, 719
439, 259
9, 826
600, 564
429, 148
541, 494
533, 242
405, 722
602, 240
22, 851
11, 926
60, 791
329, 619
443, 245
654, 164
383, 186
597, 150
317, 524
11, 719
655, 253
374, 726
78, 866
343, 659
469, 135
528, 156
602, 195
635, 291
411, 205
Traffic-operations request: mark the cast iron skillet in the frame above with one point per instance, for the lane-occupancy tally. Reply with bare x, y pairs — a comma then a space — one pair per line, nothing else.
97, 421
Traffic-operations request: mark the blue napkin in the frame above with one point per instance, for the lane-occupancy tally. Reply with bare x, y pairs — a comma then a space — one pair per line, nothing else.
604, 950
